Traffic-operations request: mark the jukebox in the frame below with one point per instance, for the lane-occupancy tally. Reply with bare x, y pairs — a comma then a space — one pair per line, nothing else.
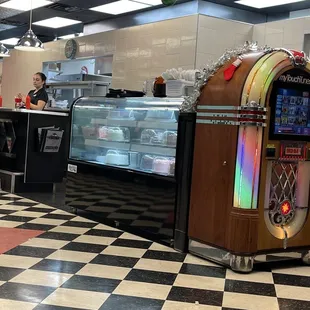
251, 171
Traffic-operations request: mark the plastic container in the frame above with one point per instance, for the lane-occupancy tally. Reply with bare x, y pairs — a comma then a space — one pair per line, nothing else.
170, 138
164, 165
152, 136
117, 158
89, 132
147, 162
176, 88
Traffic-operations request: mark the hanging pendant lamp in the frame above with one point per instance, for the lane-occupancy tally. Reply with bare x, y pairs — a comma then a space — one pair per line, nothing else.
30, 42
4, 51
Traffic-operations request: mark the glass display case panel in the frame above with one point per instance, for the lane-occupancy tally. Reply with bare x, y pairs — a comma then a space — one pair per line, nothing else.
137, 134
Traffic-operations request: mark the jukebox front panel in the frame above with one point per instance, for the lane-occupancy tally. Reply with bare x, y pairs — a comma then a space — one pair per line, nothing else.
287, 198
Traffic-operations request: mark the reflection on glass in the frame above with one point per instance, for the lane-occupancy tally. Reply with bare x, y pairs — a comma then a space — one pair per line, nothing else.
135, 133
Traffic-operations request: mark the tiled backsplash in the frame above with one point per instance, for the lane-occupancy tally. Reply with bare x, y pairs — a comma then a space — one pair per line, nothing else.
216, 35
286, 33
144, 52
139, 53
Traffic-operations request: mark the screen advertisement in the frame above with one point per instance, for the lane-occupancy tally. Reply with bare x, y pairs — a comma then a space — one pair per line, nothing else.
292, 113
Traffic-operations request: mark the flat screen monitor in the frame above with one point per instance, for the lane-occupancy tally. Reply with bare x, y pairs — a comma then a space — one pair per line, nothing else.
290, 117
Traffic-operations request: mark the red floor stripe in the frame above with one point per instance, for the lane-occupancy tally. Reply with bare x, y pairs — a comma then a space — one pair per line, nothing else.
12, 237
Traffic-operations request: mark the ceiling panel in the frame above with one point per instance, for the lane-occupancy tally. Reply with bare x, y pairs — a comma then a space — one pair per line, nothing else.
14, 22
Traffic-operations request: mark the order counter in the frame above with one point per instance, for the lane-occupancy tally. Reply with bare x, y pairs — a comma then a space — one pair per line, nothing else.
33, 149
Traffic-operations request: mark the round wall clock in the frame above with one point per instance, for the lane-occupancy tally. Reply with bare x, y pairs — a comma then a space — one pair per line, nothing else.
71, 49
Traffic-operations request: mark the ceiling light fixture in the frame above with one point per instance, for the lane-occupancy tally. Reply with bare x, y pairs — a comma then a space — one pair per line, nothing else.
265, 3
25, 5
4, 51
30, 42
120, 7
57, 22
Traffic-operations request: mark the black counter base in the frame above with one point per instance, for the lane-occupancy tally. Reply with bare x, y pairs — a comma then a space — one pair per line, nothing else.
13, 182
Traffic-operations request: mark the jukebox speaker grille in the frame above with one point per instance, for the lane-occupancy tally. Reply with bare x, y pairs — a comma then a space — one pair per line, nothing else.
285, 208
283, 182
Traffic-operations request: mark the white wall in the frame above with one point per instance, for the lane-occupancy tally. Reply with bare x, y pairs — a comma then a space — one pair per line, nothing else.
216, 35
139, 53
286, 33
75, 66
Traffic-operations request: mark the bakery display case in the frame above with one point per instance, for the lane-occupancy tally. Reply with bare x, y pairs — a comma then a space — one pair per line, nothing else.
129, 160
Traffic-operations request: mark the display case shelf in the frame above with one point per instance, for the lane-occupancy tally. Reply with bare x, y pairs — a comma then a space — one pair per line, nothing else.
152, 149
132, 123
108, 144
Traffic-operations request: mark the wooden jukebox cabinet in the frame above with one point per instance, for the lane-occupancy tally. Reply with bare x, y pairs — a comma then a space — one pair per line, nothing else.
251, 170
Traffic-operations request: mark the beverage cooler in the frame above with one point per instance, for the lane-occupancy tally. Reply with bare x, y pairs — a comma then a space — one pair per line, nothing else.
130, 165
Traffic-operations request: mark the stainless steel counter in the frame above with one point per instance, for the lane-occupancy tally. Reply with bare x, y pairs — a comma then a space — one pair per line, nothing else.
44, 112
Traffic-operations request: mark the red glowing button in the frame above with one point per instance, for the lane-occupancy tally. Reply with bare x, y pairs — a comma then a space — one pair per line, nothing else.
286, 207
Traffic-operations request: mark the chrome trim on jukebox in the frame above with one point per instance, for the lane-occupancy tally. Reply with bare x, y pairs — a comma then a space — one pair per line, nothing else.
233, 115
226, 122
243, 263
306, 258
234, 108
213, 107
209, 252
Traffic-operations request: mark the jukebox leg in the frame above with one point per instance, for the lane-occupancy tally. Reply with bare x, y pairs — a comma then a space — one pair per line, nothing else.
306, 258
243, 264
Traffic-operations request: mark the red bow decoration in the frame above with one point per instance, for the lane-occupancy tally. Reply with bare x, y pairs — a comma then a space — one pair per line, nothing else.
299, 56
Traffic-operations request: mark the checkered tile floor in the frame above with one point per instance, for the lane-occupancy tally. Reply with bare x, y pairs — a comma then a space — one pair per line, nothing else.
80, 264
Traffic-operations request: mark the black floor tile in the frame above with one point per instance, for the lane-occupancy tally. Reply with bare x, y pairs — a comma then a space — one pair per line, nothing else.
58, 266
189, 295
151, 276
15, 218
292, 280
23, 204
25, 292
84, 247
131, 303
132, 243
7, 273
290, 304
38, 209
10, 199
58, 236
114, 260
161, 255
34, 226
104, 233
4, 211
30, 251
79, 224
205, 271
49, 307
58, 216
246, 287
91, 284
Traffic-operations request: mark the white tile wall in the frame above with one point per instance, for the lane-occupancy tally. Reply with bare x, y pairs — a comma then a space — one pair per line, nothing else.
139, 53
216, 35
144, 52
286, 33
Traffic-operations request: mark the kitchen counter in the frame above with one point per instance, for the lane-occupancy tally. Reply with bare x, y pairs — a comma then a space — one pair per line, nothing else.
44, 112
26, 164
